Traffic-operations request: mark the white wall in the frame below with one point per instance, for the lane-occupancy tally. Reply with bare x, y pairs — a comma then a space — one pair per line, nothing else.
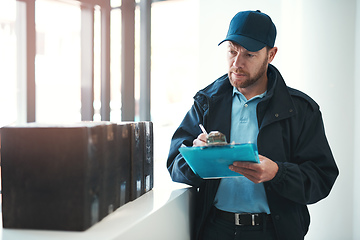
356, 180
316, 41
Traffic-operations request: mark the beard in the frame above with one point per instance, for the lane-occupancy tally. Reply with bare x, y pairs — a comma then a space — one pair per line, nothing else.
250, 80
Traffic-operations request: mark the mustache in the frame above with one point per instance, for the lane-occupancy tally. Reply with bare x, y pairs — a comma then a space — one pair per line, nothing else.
238, 71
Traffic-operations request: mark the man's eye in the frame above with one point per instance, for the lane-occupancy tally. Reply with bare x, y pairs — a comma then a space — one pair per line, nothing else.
232, 52
250, 55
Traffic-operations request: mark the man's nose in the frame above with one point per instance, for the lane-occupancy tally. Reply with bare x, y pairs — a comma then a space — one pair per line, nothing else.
238, 61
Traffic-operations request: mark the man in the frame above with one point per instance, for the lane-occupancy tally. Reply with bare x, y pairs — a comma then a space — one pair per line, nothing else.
251, 103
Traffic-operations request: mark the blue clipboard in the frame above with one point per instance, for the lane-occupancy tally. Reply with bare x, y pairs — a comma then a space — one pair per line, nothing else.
214, 161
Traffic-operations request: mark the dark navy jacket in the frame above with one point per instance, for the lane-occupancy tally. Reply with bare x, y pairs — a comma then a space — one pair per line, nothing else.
291, 133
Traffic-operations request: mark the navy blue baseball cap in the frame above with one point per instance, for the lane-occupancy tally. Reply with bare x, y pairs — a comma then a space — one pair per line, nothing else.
251, 29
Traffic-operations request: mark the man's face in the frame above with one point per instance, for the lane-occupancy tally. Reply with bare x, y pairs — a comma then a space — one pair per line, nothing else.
248, 69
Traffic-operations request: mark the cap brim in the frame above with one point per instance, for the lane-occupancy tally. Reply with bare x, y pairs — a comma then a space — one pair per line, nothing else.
246, 42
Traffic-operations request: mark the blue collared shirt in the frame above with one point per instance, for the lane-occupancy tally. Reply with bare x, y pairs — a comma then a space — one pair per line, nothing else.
240, 194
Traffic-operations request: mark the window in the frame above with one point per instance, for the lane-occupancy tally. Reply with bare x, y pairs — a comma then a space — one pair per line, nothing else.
174, 67
8, 58
58, 61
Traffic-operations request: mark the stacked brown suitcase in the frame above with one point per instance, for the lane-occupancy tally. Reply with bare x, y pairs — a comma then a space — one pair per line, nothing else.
69, 177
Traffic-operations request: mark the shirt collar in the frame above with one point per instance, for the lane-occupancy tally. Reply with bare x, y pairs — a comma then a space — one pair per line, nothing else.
236, 91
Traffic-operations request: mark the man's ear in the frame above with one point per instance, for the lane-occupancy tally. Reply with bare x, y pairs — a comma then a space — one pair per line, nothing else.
271, 54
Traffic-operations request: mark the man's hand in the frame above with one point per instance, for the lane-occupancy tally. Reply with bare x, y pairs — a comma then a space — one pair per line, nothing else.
256, 172
200, 140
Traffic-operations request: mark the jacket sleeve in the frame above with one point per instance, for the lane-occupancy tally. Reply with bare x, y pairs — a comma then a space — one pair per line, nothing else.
185, 134
310, 173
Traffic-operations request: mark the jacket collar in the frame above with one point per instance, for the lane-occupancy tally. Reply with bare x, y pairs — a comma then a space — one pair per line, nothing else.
214, 92
275, 106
